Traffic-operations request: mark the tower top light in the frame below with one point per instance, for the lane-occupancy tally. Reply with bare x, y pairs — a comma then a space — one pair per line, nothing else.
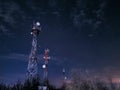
37, 23
36, 28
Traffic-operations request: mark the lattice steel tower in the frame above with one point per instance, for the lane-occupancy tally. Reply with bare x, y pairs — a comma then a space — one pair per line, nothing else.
32, 69
45, 66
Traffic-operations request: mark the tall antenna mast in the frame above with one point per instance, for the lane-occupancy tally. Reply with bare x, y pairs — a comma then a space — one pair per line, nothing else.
45, 66
32, 63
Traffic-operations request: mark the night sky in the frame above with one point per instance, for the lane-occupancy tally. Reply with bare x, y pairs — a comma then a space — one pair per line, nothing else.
81, 34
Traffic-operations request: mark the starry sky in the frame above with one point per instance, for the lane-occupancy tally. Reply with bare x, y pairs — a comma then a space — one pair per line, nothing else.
82, 34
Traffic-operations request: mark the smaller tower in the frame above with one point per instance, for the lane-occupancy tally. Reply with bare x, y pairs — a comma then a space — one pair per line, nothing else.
64, 79
45, 66
64, 75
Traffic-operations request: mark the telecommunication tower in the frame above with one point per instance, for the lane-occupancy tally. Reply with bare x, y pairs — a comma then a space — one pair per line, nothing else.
32, 69
64, 75
45, 66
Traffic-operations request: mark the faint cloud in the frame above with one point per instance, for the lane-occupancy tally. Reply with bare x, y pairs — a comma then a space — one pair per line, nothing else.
90, 35
52, 3
56, 13
88, 16
5, 31
10, 7
58, 60
6, 13
15, 56
24, 57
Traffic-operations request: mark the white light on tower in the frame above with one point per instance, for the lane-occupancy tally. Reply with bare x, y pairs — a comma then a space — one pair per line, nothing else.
44, 66
65, 78
38, 23
31, 33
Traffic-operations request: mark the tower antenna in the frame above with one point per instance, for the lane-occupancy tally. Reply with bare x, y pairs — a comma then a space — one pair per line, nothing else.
32, 69
45, 66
